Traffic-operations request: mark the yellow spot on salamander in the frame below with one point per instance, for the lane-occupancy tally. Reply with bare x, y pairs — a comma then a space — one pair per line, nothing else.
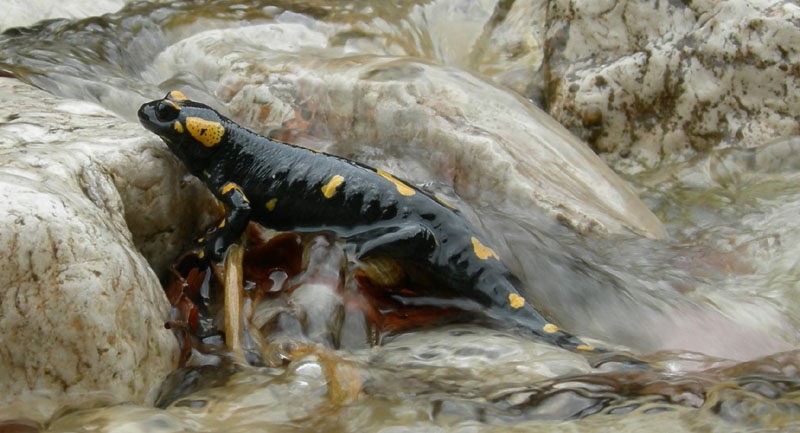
231, 186
585, 347
401, 187
271, 204
177, 95
206, 132
174, 105
516, 301
228, 187
441, 200
178, 127
330, 188
483, 252
200, 255
221, 224
200, 240
206, 174
550, 328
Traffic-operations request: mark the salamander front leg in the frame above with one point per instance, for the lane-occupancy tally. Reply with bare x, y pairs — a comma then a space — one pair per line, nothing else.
232, 226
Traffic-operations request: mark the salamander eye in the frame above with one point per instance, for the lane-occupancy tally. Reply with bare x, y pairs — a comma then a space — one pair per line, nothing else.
167, 111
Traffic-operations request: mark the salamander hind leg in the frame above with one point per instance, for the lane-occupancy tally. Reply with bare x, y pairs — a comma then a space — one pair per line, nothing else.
413, 240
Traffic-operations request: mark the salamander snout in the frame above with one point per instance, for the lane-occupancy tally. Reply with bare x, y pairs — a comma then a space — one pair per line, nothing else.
145, 113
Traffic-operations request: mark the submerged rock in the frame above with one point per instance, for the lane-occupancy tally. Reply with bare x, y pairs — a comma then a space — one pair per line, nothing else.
81, 310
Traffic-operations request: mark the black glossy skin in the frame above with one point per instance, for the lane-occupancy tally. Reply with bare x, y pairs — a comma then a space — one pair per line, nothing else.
367, 209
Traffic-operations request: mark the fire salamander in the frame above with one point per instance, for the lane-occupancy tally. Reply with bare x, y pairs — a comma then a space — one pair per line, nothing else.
290, 188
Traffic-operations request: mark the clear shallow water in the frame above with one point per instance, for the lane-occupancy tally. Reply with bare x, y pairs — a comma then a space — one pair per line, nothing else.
724, 284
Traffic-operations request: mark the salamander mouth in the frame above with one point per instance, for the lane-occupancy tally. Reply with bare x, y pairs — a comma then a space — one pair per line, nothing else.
146, 113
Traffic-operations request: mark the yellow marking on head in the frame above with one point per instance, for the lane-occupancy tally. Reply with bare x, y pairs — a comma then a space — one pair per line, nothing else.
206, 132
176, 106
516, 301
178, 95
200, 240
230, 186
585, 347
483, 252
550, 328
271, 204
330, 188
221, 224
401, 187
178, 127
441, 200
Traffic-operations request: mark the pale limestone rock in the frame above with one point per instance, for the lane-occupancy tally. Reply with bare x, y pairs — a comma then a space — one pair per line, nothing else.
20, 13
659, 78
81, 311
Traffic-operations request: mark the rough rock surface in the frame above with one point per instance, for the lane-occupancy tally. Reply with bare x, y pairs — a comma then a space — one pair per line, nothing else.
81, 310
18, 13
657, 78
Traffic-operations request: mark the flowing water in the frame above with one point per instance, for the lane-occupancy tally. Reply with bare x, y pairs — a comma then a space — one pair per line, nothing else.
713, 309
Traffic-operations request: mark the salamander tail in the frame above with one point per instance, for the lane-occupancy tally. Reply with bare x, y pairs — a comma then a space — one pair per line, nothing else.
528, 318
516, 311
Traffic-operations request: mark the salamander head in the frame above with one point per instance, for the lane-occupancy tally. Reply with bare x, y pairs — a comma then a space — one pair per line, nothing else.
190, 129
